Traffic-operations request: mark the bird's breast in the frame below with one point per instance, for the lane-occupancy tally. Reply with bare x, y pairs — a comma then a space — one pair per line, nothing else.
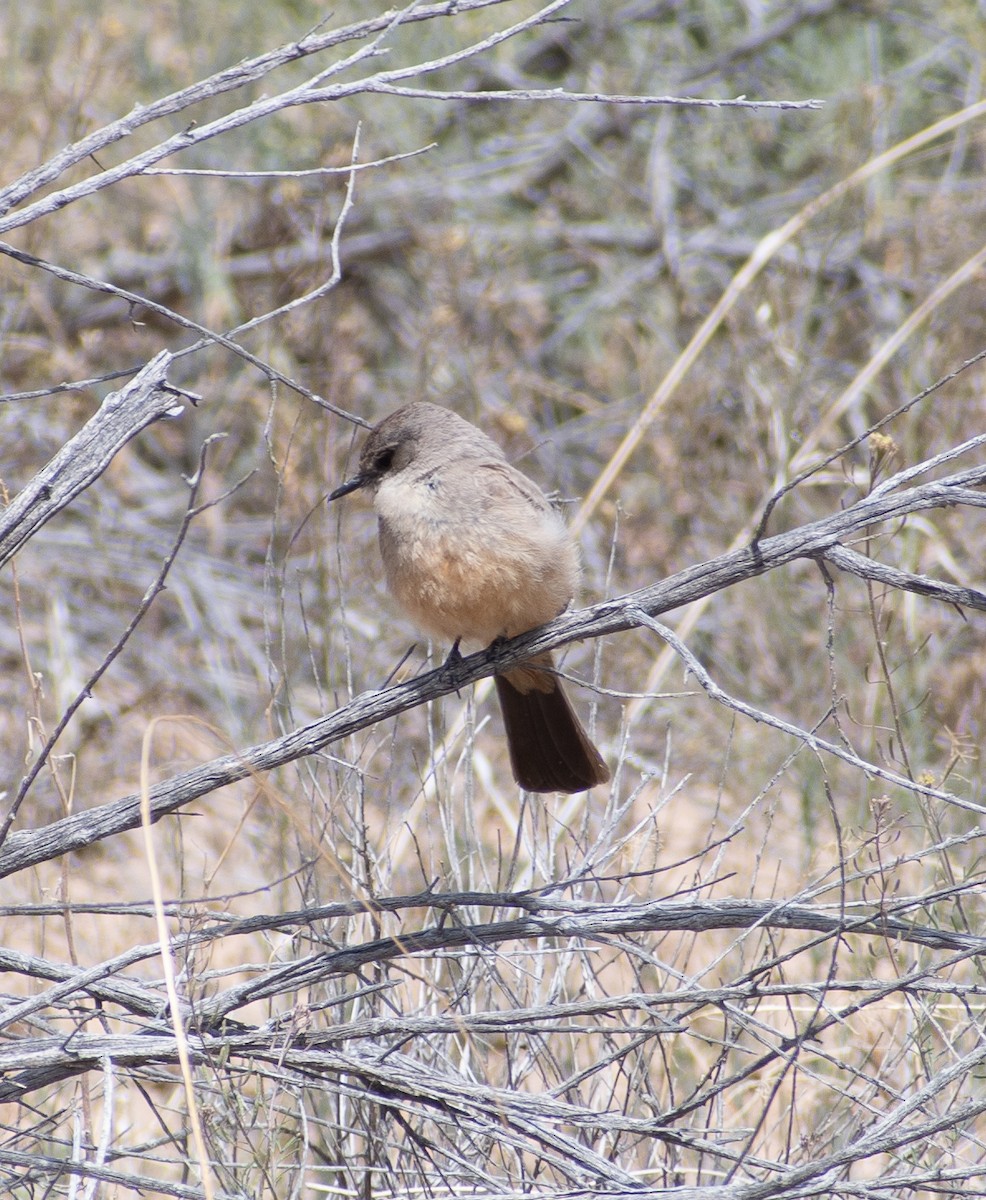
463, 568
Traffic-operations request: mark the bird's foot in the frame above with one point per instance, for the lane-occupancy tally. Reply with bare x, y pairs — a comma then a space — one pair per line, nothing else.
448, 668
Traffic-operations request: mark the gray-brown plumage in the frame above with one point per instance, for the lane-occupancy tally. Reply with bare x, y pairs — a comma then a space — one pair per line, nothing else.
473, 551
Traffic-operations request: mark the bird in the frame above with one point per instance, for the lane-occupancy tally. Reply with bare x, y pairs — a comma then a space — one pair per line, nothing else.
474, 553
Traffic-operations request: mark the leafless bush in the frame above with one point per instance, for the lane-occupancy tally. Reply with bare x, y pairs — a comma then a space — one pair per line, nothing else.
277, 922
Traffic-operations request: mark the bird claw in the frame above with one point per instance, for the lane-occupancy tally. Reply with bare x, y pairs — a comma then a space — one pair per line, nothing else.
448, 668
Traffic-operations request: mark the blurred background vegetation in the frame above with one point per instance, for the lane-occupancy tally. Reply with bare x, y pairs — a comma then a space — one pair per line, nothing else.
539, 267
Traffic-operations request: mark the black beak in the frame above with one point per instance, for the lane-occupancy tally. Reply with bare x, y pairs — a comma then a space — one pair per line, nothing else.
350, 485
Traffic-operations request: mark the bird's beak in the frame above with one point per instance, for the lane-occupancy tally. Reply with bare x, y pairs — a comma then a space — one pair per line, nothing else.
350, 485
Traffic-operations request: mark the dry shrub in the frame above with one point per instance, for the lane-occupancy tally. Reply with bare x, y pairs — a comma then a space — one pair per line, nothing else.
748, 964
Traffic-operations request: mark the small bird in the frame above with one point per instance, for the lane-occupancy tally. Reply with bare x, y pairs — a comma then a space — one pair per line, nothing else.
474, 552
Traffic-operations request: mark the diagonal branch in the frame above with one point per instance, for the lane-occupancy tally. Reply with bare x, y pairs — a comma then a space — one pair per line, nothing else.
854, 563
307, 92
232, 78
311, 91
145, 399
26, 848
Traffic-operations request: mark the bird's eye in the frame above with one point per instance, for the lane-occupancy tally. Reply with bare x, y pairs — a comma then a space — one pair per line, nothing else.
384, 460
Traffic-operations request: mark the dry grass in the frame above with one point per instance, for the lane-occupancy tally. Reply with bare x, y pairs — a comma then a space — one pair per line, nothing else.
544, 269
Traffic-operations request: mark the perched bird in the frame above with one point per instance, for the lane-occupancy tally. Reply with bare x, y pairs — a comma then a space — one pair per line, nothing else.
474, 552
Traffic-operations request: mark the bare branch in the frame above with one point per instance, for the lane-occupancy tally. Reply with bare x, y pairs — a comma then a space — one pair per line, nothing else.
311, 92
80, 462
585, 922
25, 848
239, 75
854, 563
44, 1166
808, 737
541, 95
308, 92
207, 336
750, 968
156, 587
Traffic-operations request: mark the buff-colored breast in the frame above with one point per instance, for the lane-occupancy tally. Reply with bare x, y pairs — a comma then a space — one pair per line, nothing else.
495, 561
